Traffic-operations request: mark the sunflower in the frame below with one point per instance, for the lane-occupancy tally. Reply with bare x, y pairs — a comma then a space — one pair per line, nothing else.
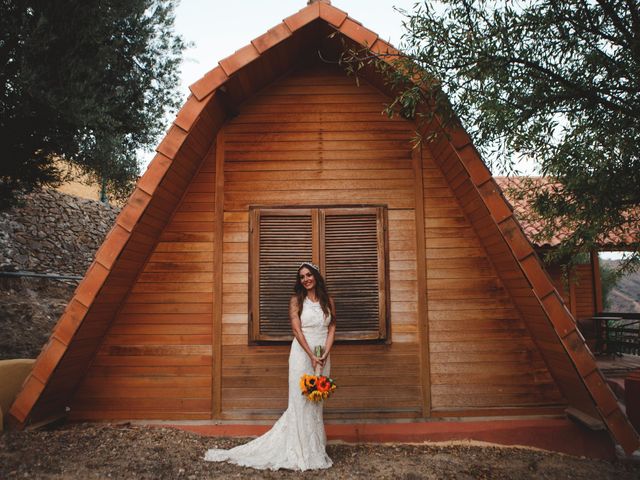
310, 382
315, 396
303, 383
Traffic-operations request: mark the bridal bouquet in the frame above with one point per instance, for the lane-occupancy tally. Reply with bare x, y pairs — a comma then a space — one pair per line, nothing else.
317, 387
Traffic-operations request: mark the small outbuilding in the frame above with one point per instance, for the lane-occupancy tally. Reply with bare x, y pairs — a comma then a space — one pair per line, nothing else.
581, 286
444, 308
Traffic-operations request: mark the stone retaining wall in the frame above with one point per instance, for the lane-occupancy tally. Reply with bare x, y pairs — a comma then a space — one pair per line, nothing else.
52, 232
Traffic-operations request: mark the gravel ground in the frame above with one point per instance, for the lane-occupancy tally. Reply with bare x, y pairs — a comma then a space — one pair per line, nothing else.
89, 451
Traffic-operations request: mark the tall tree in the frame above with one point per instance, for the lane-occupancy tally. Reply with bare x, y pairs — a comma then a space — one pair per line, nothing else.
556, 82
84, 81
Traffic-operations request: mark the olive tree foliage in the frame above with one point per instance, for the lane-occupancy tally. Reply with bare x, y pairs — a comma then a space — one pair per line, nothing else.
554, 82
87, 82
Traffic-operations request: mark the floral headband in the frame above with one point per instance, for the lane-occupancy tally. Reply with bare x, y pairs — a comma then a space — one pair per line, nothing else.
310, 264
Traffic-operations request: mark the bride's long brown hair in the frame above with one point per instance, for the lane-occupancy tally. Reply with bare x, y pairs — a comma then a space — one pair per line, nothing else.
321, 291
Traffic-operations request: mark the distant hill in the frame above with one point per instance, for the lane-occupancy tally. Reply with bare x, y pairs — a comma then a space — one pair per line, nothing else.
625, 295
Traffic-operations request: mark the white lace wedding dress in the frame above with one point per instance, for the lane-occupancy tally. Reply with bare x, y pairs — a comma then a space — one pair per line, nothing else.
297, 441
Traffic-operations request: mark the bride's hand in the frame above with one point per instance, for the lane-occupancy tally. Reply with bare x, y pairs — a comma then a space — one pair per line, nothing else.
315, 361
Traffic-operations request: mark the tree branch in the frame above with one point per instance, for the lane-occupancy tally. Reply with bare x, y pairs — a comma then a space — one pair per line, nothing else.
616, 21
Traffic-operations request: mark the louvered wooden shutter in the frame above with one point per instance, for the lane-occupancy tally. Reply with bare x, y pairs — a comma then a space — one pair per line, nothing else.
354, 268
282, 239
350, 245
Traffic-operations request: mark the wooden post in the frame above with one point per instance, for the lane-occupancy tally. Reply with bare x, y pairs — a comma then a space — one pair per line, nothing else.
597, 282
216, 393
423, 323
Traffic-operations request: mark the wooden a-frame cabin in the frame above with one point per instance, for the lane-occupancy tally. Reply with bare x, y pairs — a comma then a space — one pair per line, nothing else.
444, 309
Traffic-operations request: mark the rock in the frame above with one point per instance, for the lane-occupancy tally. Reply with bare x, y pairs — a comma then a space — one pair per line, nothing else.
54, 232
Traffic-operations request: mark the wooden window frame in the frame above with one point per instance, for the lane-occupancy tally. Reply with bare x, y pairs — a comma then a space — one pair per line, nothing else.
318, 214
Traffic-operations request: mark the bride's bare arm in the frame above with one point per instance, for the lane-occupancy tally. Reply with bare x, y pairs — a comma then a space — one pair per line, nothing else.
331, 334
296, 327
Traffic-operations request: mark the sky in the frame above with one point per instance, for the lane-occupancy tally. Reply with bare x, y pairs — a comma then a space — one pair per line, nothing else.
218, 28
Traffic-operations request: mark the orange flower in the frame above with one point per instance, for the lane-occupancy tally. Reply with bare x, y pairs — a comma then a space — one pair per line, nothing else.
323, 384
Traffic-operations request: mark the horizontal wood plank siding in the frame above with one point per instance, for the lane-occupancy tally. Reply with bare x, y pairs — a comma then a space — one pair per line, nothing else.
155, 361
584, 293
316, 138
481, 353
520, 295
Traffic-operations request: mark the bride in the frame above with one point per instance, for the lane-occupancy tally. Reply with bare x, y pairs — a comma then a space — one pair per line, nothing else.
297, 441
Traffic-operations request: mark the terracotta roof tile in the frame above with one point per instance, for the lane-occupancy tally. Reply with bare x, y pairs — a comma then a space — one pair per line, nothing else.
624, 434
493, 198
560, 315
207, 84
582, 358
172, 141
91, 284
536, 275
459, 137
190, 111
321, 9
358, 33
332, 15
131, 212
271, 38
48, 359
517, 240
112, 245
70, 321
389, 52
477, 169
598, 387
154, 174
242, 57
306, 15
533, 225
31, 390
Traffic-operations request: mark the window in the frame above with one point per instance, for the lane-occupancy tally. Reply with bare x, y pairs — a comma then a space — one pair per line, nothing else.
348, 244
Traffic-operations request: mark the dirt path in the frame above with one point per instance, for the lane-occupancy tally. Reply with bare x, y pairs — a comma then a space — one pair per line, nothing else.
138, 452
